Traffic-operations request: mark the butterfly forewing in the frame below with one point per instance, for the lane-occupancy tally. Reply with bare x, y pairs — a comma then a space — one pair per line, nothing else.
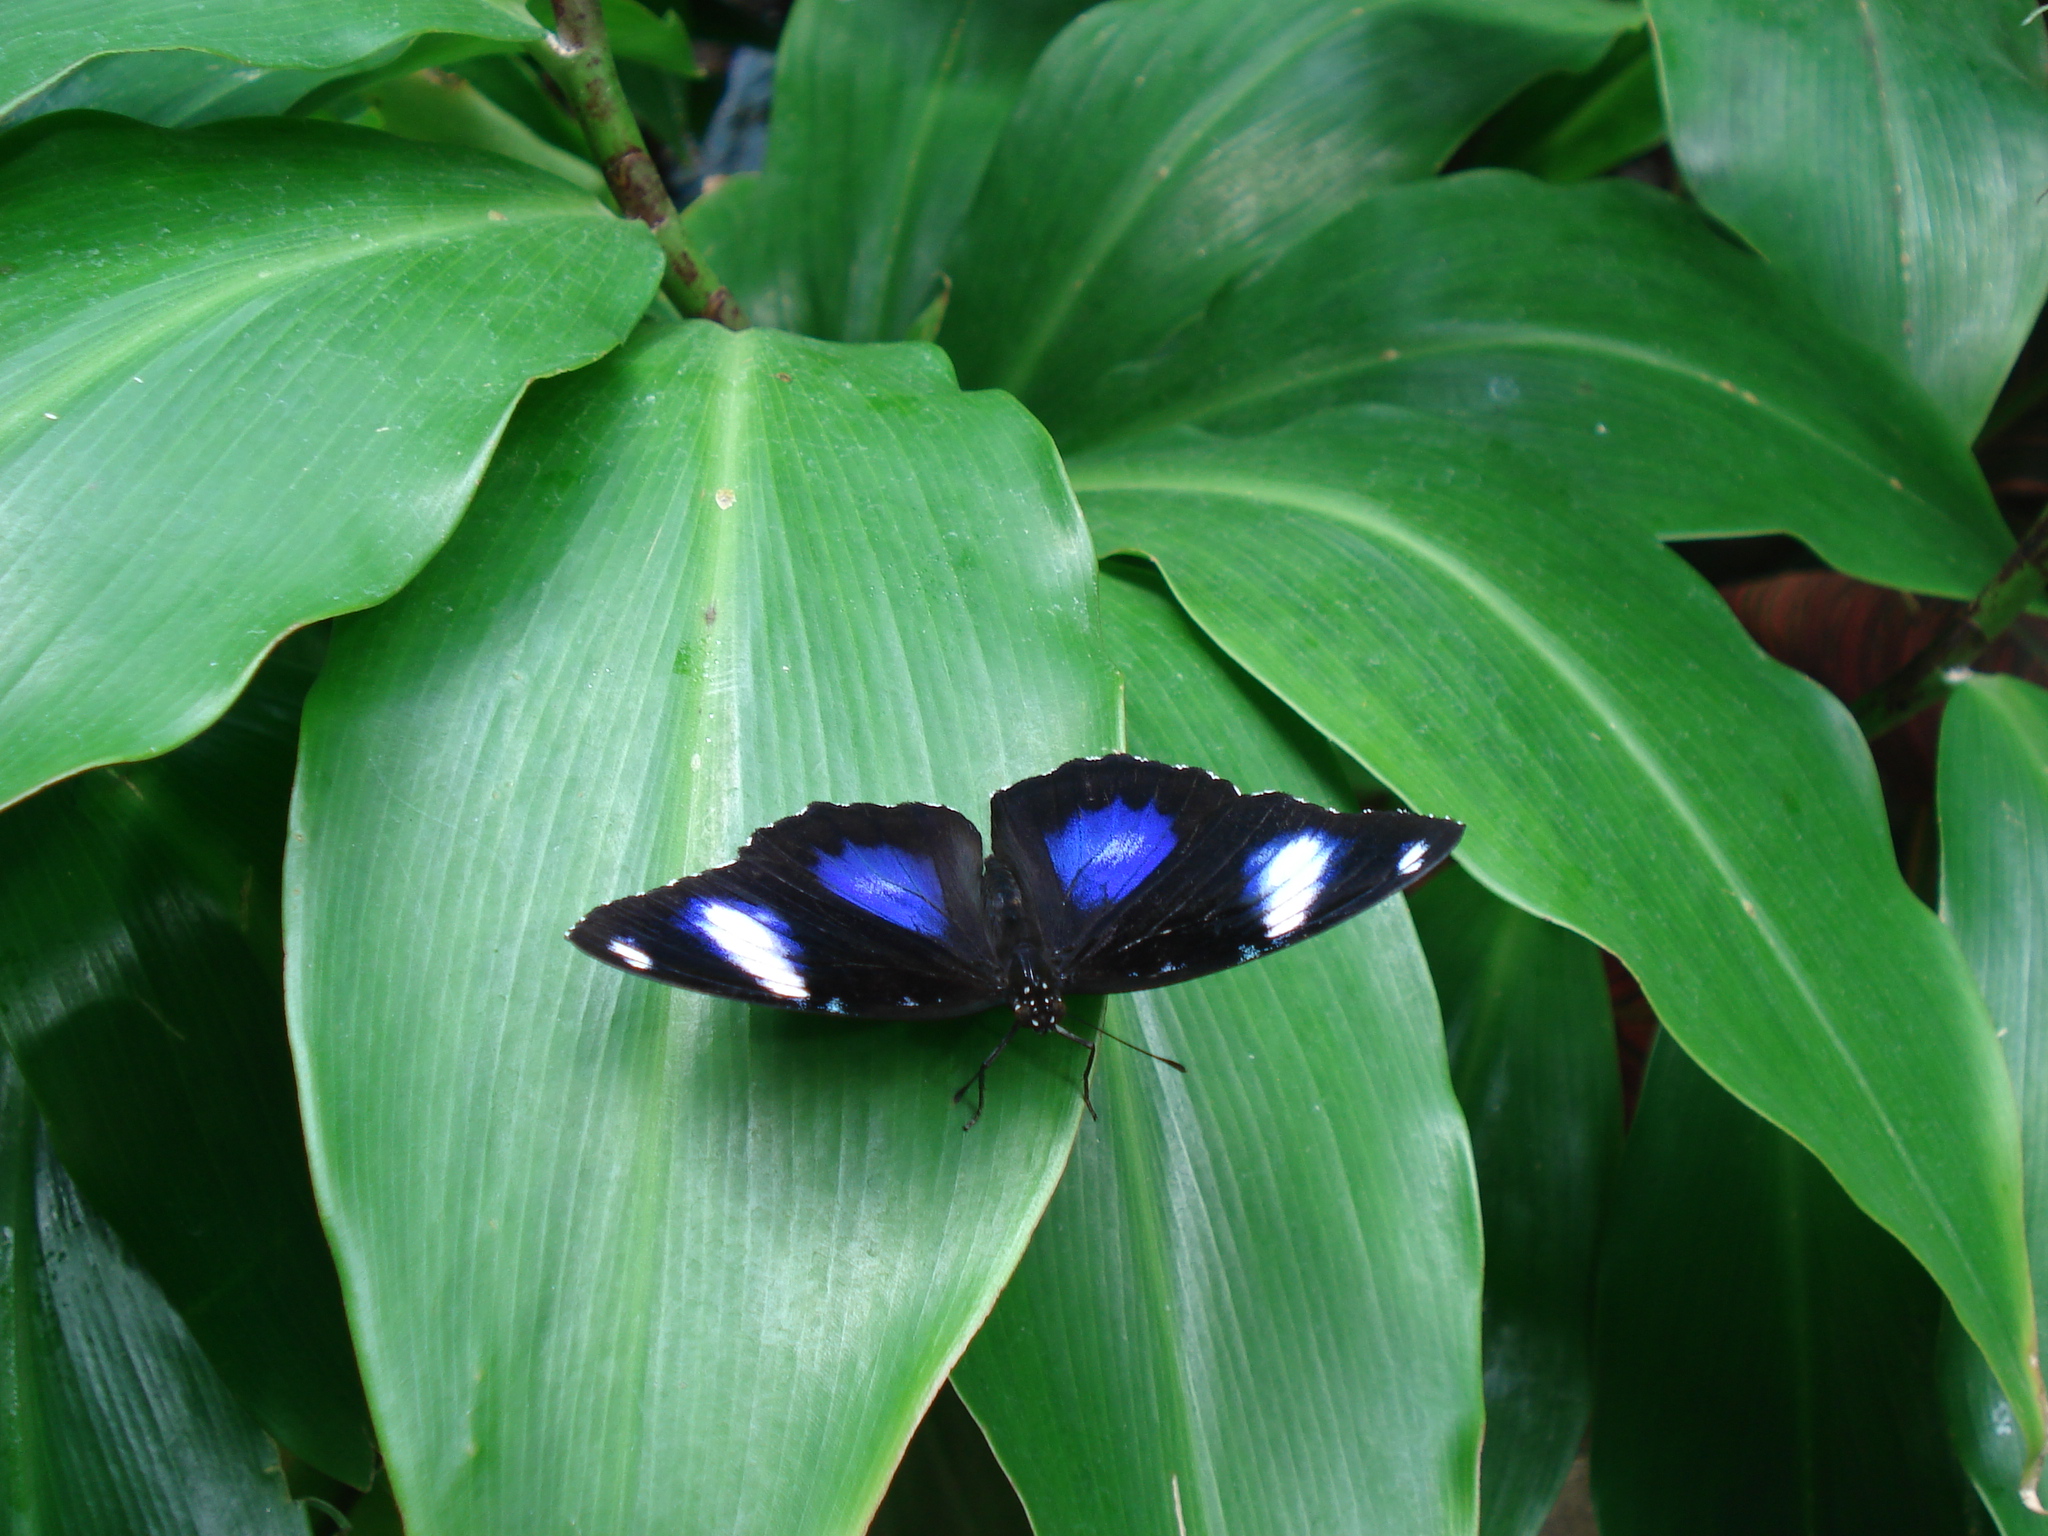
1138, 874
871, 911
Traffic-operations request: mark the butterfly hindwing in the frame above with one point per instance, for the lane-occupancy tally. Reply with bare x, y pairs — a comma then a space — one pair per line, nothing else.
1139, 874
871, 911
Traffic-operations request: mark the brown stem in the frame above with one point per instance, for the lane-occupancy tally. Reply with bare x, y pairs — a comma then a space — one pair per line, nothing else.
1925, 679
576, 57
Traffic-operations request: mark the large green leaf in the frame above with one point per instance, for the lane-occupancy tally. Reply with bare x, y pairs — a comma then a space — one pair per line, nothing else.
1511, 650
114, 1425
1993, 789
47, 37
874, 156
615, 1251
1253, 1305
175, 88
254, 372
1162, 149
1532, 1058
1649, 363
1766, 1352
1889, 154
140, 996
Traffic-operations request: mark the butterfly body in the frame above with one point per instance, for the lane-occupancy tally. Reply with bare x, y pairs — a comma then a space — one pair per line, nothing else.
1110, 874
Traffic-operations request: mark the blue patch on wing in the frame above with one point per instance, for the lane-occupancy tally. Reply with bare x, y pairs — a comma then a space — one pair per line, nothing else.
893, 883
1102, 856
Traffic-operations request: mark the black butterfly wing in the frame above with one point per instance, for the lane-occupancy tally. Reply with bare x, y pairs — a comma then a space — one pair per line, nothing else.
872, 911
1139, 874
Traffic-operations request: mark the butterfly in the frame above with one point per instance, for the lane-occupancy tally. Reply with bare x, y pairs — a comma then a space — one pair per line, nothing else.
1108, 874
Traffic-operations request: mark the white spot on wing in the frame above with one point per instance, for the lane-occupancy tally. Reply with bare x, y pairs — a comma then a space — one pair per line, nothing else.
632, 954
1288, 883
754, 947
1412, 855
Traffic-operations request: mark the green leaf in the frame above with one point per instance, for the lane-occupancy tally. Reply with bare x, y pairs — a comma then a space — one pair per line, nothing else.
436, 50
745, 227
1645, 360
1509, 649
139, 994
875, 153
1568, 127
615, 1250
1253, 1305
48, 37
1162, 150
115, 1424
1532, 1059
1889, 155
1993, 795
439, 108
1766, 1352
173, 89
257, 368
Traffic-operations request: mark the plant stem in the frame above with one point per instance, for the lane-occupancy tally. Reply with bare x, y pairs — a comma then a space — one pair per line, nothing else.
1926, 678
577, 58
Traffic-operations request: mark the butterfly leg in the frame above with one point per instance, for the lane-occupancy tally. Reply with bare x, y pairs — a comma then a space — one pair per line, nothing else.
1088, 1071
979, 1082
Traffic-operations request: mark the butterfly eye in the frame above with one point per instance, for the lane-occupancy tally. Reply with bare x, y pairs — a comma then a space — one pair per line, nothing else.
1285, 876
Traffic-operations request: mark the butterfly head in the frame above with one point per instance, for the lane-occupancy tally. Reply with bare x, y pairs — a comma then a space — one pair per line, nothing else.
1035, 995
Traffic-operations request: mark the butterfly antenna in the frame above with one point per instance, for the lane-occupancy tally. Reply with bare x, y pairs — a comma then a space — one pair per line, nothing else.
1166, 1061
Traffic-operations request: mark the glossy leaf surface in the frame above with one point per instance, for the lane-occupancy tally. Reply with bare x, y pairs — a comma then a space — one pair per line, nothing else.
174, 88
116, 1425
1647, 362
1162, 150
1531, 1039
1763, 1345
1889, 155
47, 37
1498, 647
140, 995
1253, 1305
874, 156
1993, 794
614, 1250
258, 368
